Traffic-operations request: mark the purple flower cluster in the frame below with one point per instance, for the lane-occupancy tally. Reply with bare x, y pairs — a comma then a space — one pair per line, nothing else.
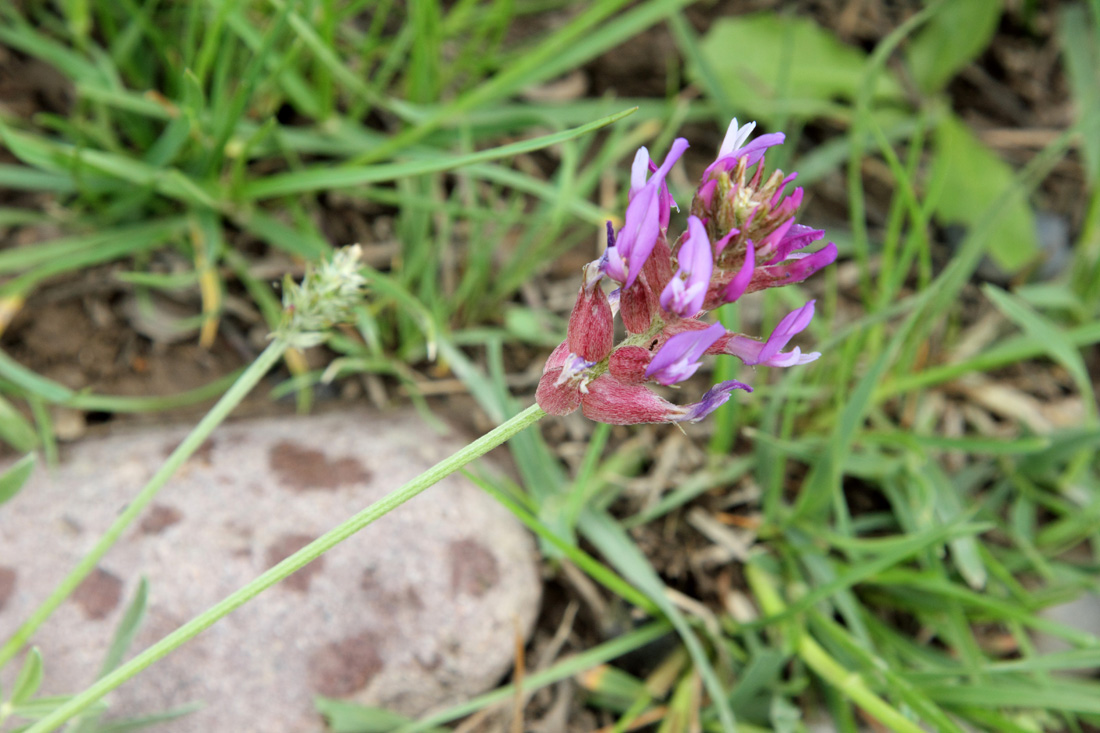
741, 237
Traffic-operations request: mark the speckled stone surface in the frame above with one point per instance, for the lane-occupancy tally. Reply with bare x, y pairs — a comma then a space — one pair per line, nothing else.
417, 611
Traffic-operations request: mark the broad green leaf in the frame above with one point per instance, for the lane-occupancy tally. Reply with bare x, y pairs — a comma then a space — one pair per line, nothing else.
29, 179
954, 37
968, 443
29, 678
536, 327
16, 430
1058, 347
1018, 348
349, 717
43, 706
325, 177
1073, 696
1064, 445
948, 508
770, 65
613, 689
21, 35
1083, 659
131, 238
127, 629
759, 677
1053, 296
1081, 48
145, 721
968, 178
785, 717
58, 157
12, 480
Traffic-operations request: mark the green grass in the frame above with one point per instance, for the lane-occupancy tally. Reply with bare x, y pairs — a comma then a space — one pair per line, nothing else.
901, 562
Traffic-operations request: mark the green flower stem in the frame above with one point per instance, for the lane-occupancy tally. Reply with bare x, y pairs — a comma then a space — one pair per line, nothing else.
296, 561
848, 683
232, 397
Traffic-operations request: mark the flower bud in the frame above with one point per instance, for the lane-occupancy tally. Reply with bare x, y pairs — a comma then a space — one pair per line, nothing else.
611, 401
591, 333
628, 364
637, 304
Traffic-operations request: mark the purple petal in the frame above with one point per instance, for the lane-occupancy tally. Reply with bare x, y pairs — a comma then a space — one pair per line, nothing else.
679, 145
686, 291
679, 358
794, 357
574, 371
665, 202
706, 192
735, 137
753, 152
715, 397
741, 280
797, 237
775, 237
748, 350
612, 264
641, 227
796, 268
792, 323
638, 170
753, 352
721, 243
642, 223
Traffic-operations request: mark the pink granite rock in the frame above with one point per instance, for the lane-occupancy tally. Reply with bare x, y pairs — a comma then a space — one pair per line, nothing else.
417, 611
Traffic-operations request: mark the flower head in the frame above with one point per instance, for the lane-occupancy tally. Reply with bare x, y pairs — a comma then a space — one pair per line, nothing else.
741, 237
326, 296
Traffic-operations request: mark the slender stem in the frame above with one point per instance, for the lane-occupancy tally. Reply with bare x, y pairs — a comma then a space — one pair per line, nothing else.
296, 561
232, 397
847, 682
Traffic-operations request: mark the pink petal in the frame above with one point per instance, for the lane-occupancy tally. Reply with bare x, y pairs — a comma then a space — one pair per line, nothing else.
741, 280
